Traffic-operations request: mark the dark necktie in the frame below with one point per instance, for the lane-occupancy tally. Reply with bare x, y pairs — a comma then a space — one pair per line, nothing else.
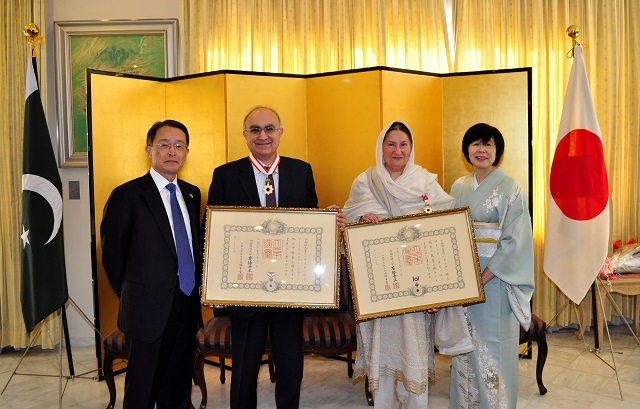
186, 266
270, 198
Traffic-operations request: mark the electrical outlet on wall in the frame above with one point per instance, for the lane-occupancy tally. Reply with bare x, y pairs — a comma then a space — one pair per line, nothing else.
74, 190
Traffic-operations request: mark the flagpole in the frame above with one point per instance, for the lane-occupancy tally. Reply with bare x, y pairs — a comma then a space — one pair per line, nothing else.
573, 31
36, 313
67, 340
594, 308
32, 32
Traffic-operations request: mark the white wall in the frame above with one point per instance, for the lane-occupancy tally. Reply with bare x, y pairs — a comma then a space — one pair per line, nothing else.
77, 232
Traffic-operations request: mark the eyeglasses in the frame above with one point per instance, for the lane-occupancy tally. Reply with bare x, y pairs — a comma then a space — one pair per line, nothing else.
269, 130
164, 146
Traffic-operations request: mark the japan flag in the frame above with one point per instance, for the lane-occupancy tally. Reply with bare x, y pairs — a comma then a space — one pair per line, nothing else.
577, 230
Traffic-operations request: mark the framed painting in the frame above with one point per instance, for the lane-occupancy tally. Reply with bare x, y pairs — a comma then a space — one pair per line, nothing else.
138, 47
413, 263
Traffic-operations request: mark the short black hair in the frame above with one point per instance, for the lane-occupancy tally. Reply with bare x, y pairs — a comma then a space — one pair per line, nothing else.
151, 134
399, 126
483, 132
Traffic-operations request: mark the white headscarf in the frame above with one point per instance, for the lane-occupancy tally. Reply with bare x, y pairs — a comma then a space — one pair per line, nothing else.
409, 186
407, 190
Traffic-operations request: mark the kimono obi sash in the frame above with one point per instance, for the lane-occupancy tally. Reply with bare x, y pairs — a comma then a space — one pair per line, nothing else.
487, 235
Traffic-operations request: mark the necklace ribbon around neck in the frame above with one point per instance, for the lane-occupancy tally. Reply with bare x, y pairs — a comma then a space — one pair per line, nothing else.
267, 170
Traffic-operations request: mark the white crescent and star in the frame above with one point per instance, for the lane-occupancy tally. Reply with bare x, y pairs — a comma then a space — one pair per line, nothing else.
50, 193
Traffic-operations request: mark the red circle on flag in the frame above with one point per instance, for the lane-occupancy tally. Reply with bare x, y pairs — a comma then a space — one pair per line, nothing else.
578, 181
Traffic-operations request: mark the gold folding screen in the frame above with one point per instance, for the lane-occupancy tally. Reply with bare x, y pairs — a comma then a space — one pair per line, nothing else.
502, 100
344, 121
330, 120
122, 111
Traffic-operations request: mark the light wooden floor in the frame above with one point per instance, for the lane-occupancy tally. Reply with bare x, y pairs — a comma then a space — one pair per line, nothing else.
575, 378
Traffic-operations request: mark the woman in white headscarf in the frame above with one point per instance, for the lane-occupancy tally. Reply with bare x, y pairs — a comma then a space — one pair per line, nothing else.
397, 353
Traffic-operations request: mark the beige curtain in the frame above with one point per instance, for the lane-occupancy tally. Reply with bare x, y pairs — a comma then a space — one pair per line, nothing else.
15, 14
305, 36
496, 34
312, 36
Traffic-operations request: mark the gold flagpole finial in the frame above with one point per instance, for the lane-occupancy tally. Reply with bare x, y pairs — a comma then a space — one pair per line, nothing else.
573, 31
32, 32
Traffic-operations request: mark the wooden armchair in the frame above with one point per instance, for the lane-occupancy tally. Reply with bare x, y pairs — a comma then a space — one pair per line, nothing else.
329, 333
115, 347
537, 333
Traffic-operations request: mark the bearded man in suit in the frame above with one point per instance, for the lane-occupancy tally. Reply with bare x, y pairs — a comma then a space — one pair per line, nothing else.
152, 257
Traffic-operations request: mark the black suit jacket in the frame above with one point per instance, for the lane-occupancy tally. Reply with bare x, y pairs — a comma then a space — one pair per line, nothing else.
234, 184
139, 255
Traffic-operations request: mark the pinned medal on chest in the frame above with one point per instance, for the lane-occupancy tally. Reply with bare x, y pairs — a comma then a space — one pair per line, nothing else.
427, 207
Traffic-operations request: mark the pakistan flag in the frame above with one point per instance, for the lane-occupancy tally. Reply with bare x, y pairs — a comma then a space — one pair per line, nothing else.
43, 281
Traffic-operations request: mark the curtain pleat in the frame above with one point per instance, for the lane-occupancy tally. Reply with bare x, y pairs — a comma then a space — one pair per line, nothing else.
313, 36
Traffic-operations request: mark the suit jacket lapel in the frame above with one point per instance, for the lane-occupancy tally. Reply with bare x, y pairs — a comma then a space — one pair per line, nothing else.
154, 201
248, 181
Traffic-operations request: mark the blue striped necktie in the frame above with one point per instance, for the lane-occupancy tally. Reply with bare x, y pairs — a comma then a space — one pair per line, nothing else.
186, 266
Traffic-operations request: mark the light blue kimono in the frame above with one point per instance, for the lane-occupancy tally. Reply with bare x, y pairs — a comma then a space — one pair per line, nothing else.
488, 377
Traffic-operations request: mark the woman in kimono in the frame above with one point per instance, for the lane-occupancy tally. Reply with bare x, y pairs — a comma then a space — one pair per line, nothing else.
488, 376
397, 353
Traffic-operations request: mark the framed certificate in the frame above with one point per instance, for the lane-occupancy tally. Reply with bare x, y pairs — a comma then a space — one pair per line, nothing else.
413, 263
275, 257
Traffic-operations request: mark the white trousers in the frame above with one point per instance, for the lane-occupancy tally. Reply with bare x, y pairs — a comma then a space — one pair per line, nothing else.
391, 391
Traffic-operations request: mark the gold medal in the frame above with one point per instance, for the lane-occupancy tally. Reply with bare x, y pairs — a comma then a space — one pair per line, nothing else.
268, 187
427, 206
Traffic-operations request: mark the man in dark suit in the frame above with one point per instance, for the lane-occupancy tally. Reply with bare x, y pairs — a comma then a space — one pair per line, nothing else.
152, 256
264, 179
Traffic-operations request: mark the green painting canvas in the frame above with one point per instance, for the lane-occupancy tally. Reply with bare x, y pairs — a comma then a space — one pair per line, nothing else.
130, 54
